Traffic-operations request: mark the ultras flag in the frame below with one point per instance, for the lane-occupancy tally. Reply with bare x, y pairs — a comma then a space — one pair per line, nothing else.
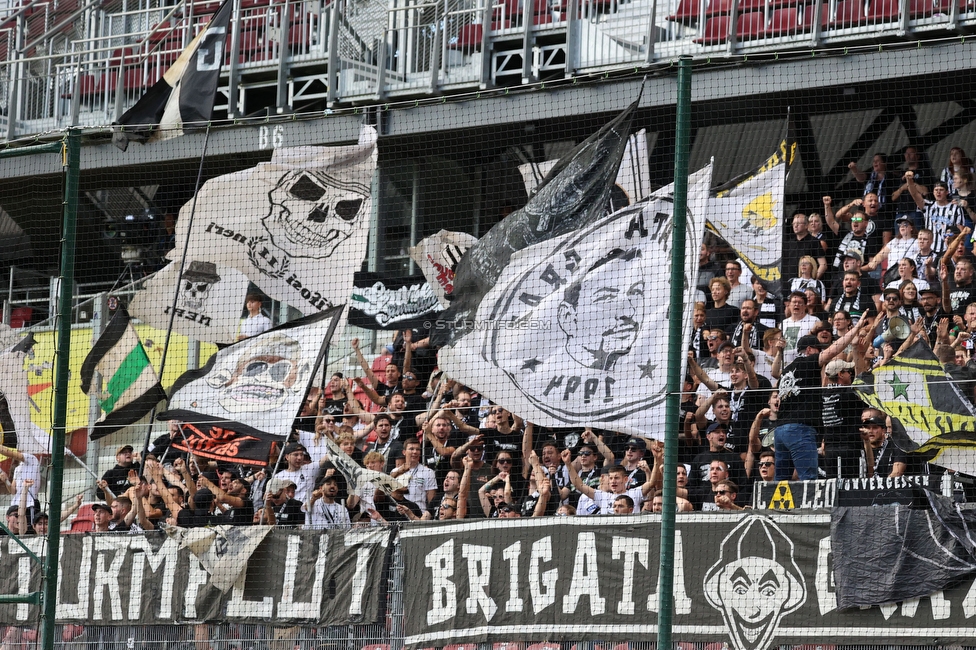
186, 92
19, 432
748, 214
437, 257
571, 333
297, 226
573, 195
930, 417
130, 386
248, 394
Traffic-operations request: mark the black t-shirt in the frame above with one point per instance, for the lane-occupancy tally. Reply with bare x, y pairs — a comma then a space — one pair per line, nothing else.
242, 516
391, 449
442, 464
702, 461
388, 508
841, 417
187, 518
404, 428
960, 297
745, 404
723, 318
886, 457
335, 407
289, 513
117, 479
794, 250
755, 337
798, 403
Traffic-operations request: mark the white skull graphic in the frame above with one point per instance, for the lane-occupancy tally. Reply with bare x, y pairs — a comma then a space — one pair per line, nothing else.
266, 373
313, 212
195, 284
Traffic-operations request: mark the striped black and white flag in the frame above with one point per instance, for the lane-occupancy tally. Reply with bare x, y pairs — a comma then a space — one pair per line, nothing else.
130, 387
186, 92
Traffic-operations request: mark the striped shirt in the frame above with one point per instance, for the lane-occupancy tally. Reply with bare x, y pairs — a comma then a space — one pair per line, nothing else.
939, 219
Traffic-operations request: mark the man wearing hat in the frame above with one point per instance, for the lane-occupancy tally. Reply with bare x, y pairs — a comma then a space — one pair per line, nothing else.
799, 411
930, 302
256, 322
883, 457
281, 508
117, 478
101, 517
841, 421
716, 435
299, 471
634, 452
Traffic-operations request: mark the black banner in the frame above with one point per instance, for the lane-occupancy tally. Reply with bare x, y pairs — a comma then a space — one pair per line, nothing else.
390, 302
292, 577
828, 493
754, 580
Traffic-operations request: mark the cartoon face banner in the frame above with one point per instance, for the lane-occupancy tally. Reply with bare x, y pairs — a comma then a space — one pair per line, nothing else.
574, 331
746, 580
296, 226
255, 387
209, 299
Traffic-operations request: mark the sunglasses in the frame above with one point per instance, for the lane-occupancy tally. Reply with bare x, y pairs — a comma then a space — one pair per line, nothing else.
506, 461
586, 453
476, 448
856, 220
722, 492
766, 464
447, 506
892, 298
712, 338
409, 377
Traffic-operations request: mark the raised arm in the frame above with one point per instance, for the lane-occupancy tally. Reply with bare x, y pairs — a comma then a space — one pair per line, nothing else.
841, 344
464, 489
574, 477
829, 216
527, 450
601, 446
463, 449
913, 189
407, 350
371, 393
857, 173
373, 380
545, 493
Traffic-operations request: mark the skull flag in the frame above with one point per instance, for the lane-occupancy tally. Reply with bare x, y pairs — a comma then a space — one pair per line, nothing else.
295, 226
208, 301
248, 394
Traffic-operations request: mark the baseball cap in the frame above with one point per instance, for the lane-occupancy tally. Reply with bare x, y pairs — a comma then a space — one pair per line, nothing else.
854, 254
203, 498
809, 341
836, 366
293, 447
506, 507
891, 290
904, 217
12, 510
875, 420
723, 345
101, 506
123, 448
637, 443
278, 484
713, 426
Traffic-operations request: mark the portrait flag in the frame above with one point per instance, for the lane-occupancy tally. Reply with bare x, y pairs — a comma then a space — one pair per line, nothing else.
571, 333
355, 474
296, 226
248, 394
185, 94
437, 257
633, 182
208, 303
130, 387
930, 417
19, 432
573, 195
383, 301
748, 214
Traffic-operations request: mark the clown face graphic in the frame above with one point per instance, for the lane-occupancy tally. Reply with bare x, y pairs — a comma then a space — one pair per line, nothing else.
312, 213
755, 582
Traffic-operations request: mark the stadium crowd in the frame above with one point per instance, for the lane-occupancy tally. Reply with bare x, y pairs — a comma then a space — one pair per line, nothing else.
768, 394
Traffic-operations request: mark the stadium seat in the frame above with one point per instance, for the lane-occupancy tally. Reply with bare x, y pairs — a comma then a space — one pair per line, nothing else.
377, 646
508, 645
542, 646
920, 8
808, 14
468, 39
784, 21
882, 11
751, 5
463, 646
716, 31
687, 12
751, 24
719, 8
20, 316
848, 14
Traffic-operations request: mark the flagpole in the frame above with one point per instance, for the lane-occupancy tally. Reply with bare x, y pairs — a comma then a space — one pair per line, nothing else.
675, 351
176, 296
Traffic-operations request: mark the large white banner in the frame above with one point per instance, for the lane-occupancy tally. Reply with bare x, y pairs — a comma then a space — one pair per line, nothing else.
208, 303
296, 226
574, 331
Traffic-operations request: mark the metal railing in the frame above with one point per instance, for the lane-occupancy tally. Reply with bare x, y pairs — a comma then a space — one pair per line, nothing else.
322, 51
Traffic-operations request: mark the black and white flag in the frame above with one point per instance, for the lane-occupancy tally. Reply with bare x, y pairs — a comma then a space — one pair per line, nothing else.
573, 332
357, 475
296, 226
437, 257
249, 393
208, 303
185, 94
386, 302
573, 195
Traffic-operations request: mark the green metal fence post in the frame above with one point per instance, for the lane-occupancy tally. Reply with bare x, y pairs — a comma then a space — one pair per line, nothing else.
72, 167
675, 352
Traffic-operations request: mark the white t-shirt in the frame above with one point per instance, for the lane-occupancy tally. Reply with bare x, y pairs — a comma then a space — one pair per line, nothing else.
419, 479
327, 515
793, 330
29, 469
316, 450
304, 479
604, 500
254, 325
